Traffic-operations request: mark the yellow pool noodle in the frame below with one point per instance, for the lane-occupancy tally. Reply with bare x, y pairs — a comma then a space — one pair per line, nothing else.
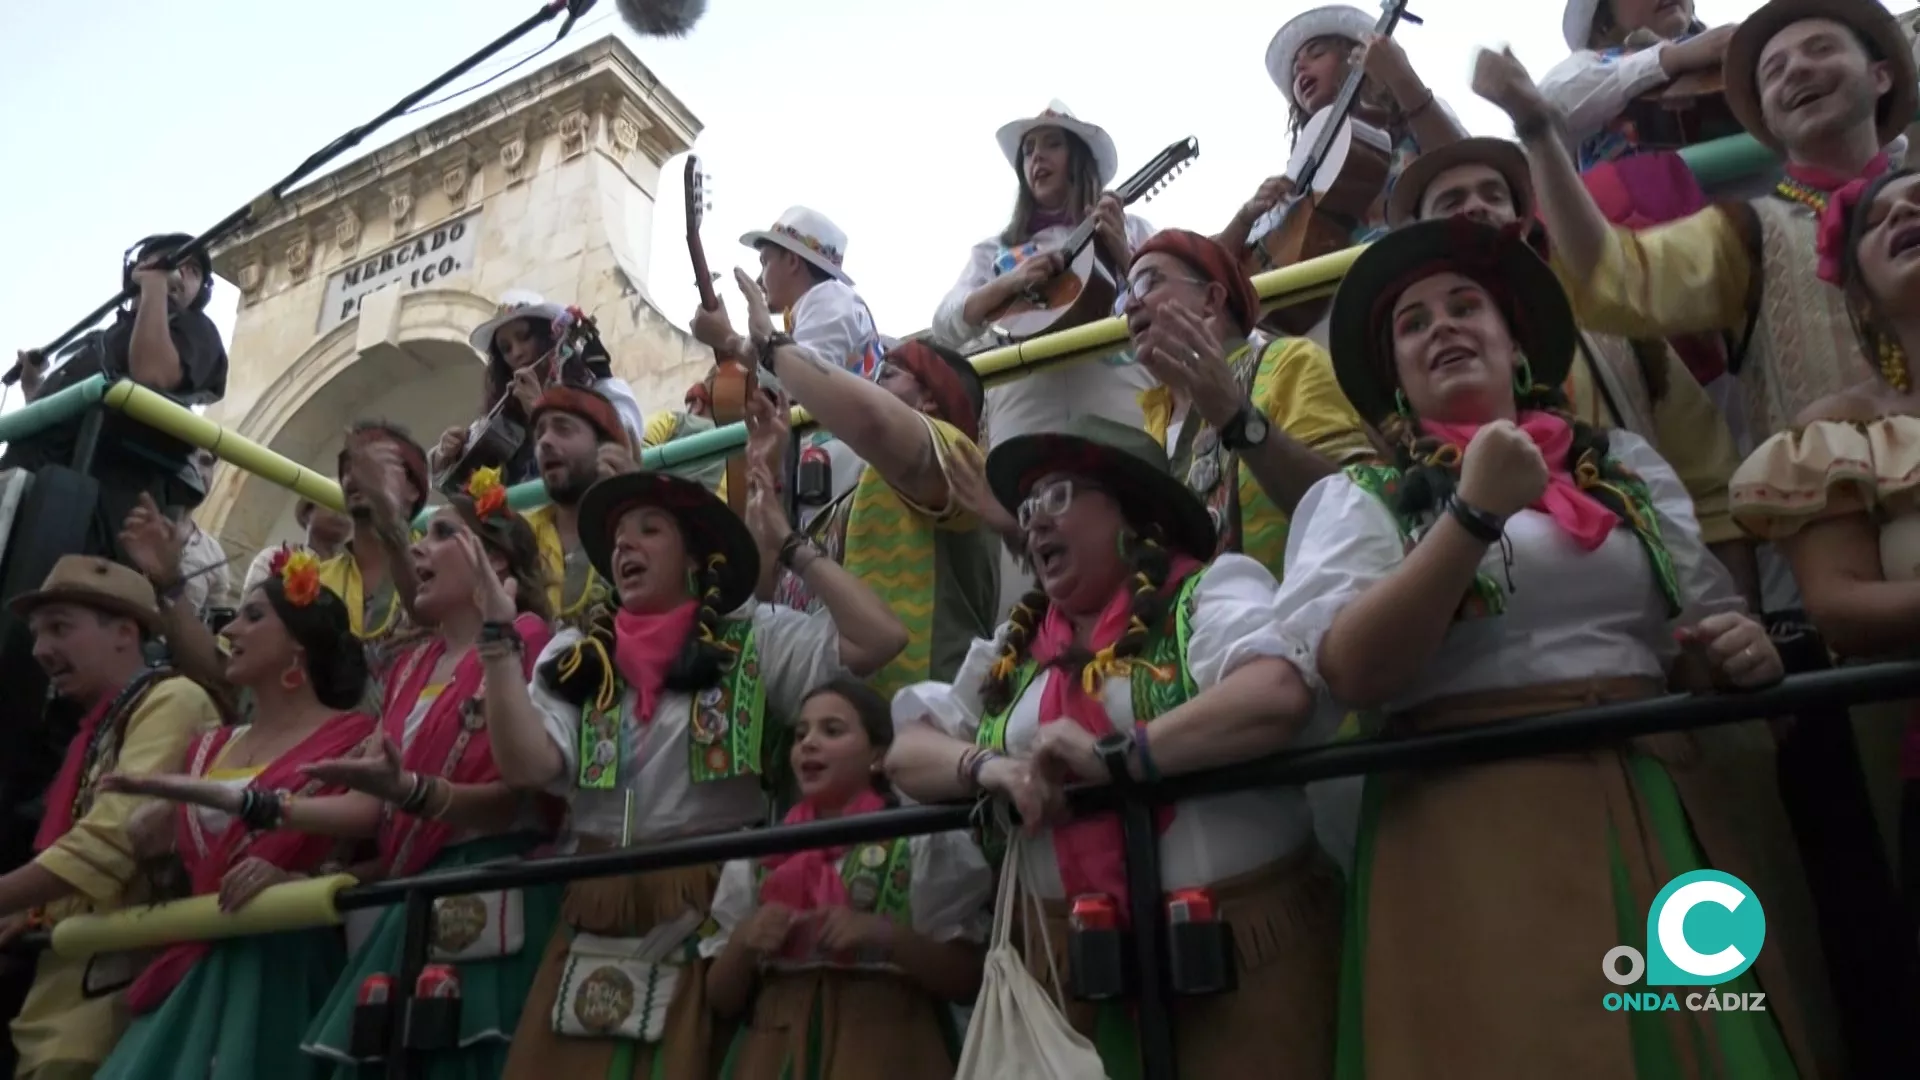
297, 905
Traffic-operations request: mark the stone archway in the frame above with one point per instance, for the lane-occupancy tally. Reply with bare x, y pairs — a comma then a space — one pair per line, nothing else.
404, 358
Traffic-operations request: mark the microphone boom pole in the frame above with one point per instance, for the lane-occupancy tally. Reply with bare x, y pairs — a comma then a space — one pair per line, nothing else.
264, 204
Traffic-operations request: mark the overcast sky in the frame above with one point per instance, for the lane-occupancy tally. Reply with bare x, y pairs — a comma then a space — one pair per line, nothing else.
120, 118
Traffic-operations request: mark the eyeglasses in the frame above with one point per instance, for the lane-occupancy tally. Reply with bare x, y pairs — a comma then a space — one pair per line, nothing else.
1146, 281
1051, 500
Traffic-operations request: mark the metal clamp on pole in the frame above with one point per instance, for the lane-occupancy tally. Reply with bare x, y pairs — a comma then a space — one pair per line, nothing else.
1142, 849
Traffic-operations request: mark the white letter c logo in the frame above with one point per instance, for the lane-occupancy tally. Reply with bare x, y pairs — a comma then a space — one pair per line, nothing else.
1673, 935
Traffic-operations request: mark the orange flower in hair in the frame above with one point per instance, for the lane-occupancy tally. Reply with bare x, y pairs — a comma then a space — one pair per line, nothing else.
489, 495
299, 574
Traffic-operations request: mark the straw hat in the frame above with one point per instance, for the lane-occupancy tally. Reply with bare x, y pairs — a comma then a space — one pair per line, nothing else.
1106, 158
808, 234
1502, 155
96, 583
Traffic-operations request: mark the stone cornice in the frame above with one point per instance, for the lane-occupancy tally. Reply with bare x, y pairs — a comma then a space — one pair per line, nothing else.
600, 98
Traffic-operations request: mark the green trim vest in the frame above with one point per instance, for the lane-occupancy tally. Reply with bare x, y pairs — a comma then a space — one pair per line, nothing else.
726, 732
878, 876
1485, 597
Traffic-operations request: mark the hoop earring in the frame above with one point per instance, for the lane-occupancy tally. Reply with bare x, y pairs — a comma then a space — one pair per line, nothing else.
1523, 376
293, 678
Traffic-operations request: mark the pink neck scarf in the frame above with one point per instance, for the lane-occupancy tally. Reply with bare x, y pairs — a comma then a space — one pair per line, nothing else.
1578, 514
1841, 192
644, 647
805, 880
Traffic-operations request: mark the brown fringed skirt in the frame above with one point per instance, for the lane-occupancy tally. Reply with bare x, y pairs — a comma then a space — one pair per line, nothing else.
622, 907
1282, 1019
871, 1026
1484, 898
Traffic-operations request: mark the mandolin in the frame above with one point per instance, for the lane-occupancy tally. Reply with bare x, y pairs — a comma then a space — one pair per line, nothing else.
1086, 289
733, 381
1337, 180
496, 438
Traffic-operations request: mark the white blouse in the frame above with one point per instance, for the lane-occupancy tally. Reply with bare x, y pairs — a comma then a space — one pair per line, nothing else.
797, 653
950, 325
949, 896
833, 323
1592, 89
1571, 614
1212, 837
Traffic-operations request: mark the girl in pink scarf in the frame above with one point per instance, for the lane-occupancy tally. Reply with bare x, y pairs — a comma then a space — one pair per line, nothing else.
848, 956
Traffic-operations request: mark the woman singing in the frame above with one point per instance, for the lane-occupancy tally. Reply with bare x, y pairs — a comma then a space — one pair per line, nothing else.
1513, 563
1138, 637
234, 1009
653, 724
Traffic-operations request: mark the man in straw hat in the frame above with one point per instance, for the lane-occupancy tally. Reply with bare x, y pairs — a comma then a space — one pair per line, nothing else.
1249, 426
905, 528
803, 276
91, 620
1827, 84
1641, 386
1309, 59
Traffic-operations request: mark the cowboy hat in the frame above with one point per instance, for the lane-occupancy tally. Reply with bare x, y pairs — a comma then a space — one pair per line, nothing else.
1106, 158
1502, 155
1536, 310
1336, 20
1874, 24
514, 304
808, 234
1131, 464
96, 583
709, 526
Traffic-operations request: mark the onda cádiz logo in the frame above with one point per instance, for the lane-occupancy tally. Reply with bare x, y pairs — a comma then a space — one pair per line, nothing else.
1704, 929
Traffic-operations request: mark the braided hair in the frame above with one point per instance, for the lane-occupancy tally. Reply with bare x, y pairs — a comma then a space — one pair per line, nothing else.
585, 673
1151, 566
1430, 468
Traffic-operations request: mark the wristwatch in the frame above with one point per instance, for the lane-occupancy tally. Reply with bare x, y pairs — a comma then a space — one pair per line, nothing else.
1115, 747
1246, 430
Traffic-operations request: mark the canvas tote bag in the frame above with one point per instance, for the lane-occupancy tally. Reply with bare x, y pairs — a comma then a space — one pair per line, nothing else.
1017, 1033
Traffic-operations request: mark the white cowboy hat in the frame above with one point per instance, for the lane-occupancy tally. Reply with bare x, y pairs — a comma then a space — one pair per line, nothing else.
808, 234
515, 304
1106, 159
1337, 20
1576, 24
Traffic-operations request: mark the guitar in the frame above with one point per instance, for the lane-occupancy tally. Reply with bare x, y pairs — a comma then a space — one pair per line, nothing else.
1336, 182
1691, 109
733, 381
1086, 289
496, 438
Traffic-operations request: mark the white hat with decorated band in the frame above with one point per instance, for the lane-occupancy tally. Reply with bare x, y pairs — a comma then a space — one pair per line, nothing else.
514, 304
808, 234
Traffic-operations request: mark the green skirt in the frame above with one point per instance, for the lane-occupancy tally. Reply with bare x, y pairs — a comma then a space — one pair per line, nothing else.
237, 1015
1743, 1046
491, 991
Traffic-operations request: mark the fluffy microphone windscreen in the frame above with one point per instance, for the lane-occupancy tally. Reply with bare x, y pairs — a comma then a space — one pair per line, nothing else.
661, 18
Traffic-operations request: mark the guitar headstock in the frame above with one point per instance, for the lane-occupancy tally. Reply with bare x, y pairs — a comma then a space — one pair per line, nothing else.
1158, 173
699, 193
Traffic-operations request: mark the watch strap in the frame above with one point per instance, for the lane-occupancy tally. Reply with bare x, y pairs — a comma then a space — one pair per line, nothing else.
1234, 435
772, 346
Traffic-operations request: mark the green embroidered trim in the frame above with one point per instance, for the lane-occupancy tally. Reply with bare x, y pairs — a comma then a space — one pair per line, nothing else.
1646, 528
1153, 697
1383, 483
727, 729
726, 732
878, 879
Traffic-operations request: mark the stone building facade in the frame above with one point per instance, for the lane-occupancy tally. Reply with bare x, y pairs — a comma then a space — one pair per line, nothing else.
359, 290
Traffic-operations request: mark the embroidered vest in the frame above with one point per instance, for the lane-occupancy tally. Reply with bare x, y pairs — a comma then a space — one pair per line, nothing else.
725, 731
1803, 346
1484, 597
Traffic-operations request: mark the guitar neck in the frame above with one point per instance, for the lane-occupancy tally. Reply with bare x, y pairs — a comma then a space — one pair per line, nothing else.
1343, 105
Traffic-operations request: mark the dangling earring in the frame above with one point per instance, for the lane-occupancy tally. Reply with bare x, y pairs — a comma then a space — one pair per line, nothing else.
1400, 405
1893, 365
1523, 376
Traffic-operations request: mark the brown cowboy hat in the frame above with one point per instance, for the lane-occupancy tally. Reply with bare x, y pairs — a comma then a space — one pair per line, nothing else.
709, 526
1536, 309
96, 583
1876, 26
1502, 155
1131, 464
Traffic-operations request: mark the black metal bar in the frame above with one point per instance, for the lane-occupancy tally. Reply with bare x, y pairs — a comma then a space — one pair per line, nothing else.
1543, 735
1141, 845
240, 218
413, 957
